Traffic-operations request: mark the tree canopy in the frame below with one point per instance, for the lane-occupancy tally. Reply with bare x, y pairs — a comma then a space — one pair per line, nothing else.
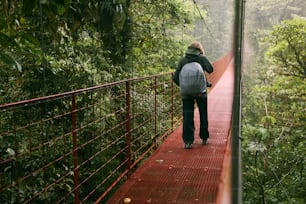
287, 47
55, 46
274, 104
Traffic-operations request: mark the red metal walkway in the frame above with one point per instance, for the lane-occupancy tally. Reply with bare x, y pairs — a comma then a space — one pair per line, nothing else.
176, 175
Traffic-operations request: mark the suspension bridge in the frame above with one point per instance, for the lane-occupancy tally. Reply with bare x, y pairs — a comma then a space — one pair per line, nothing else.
79, 146
199, 175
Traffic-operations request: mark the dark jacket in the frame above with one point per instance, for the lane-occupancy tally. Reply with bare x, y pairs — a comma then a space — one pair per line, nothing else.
192, 55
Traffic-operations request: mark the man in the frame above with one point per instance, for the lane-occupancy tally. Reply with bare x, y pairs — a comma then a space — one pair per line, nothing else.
189, 75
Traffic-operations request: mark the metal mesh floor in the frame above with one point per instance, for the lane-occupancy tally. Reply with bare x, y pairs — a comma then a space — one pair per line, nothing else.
177, 175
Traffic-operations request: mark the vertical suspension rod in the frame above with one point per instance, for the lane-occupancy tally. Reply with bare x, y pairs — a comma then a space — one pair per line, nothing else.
236, 120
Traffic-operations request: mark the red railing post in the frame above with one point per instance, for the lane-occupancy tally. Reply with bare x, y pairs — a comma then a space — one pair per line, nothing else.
155, 109
172, 103
75, 152
128, 123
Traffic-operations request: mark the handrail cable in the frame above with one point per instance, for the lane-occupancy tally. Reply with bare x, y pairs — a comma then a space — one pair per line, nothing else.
202, 18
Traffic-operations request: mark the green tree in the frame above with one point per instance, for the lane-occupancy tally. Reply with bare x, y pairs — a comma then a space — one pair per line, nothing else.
49, 47
261, 16
55, 46
274, 145
287, 47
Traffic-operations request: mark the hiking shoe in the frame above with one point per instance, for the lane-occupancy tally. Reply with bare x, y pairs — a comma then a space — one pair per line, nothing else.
204, 141
187, 145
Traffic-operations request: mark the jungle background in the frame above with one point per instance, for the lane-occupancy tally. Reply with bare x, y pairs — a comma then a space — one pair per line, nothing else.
49, 47
273, 104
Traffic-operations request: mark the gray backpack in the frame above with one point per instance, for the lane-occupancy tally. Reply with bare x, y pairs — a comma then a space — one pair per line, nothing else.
192, 79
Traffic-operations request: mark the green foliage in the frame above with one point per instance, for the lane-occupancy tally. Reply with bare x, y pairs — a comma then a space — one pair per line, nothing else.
87, 43
272, 147
261, 16
10, 61
274, 129
287, 47
49, 47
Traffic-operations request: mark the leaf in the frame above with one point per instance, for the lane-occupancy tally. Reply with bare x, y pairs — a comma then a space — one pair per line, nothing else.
31, 39
270, 120
256, 147
10, 151
6, 41
7, 59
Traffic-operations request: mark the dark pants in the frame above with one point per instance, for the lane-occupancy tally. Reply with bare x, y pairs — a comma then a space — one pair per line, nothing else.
188, 115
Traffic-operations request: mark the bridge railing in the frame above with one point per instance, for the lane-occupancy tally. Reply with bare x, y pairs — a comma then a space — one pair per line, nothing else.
76, 146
